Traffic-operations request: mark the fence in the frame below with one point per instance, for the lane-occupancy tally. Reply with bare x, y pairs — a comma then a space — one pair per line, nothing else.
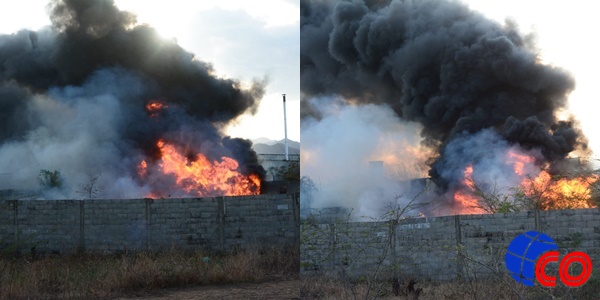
220, 223
438, 248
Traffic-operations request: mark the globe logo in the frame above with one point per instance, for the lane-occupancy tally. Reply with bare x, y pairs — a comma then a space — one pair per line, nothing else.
523, 252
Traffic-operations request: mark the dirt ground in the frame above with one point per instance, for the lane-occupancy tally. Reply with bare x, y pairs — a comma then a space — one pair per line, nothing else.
278, 289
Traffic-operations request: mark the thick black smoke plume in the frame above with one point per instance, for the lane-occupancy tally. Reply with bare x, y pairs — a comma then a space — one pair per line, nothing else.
73, 97
438, 63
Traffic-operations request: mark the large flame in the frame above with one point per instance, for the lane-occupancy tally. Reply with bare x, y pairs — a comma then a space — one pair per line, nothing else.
562, 193
200, 177
192, 174
543, 191
466, 201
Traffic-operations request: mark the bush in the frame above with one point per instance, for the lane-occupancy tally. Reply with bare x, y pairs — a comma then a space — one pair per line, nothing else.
50, 179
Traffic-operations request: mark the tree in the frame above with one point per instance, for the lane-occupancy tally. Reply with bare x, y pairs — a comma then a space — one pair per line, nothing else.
50, 179
307, 190
289, 172
89, 190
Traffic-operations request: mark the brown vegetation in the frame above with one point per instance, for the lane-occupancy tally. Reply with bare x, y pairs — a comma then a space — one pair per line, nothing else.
105, 276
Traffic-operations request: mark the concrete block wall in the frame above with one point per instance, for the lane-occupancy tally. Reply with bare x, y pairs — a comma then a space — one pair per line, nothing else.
260, 223
109, 226
7, 221
58, 221
184, 223
422, 247
363, 247
348, 247
439, 248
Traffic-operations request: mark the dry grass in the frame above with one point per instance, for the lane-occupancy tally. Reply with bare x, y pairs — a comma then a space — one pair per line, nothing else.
325, 287
106, 276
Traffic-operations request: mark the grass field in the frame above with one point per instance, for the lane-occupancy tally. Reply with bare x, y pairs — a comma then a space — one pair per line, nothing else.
107, 276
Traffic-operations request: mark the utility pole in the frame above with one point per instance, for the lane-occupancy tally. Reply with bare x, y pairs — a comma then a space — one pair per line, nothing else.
285, 129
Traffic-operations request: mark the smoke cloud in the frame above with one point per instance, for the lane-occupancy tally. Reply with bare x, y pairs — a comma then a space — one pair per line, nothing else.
360, 157
439, 64
73, 98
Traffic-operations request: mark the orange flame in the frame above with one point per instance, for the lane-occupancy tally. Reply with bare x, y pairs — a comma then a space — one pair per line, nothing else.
201, 177
142, 168
519, 161
154, 107
547, 192
468, 175
563, 193
466, 202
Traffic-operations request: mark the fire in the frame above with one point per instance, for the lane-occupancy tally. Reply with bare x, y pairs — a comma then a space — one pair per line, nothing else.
467, 203
519, 161
541, 191
201, 177
402, 159
563, 193
154, 107
468, 174
466, 200
142, 168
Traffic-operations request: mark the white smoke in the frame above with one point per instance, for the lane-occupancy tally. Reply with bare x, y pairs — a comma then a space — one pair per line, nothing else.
80, 139
336, 151
490, 157
494, 164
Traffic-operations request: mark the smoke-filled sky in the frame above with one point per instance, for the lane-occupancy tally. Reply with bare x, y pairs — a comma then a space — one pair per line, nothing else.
475, 82
564, 35
381, 52
439, 64
101, 93
244, 40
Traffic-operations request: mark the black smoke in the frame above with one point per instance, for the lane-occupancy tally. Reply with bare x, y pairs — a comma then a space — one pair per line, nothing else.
438, 63
85, 81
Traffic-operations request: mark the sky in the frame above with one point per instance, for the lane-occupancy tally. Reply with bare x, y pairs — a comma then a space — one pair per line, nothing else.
254, 39
244, 40
566, 37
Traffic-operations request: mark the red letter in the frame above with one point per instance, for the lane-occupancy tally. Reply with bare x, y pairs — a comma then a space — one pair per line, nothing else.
540, 266
575, 257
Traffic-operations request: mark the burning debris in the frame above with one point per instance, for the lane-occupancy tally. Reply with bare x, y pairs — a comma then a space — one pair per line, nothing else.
487, 108
197, 176
155, 107
98, 96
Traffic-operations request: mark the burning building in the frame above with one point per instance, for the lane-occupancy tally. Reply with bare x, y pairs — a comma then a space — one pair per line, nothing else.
477, 109
98, 96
